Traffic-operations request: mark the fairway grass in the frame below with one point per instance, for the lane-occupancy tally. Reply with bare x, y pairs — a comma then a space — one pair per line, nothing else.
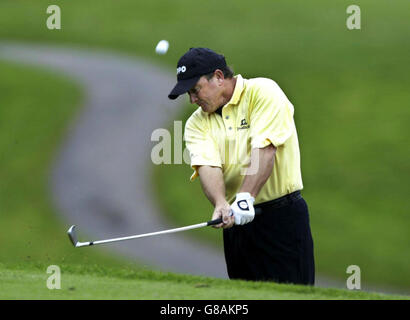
35, 112
96, 283
349, 89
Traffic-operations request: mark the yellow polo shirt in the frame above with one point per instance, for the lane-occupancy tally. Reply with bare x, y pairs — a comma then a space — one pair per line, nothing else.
258, 114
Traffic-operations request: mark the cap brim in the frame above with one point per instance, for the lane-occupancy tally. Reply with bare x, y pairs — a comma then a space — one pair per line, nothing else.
182, 86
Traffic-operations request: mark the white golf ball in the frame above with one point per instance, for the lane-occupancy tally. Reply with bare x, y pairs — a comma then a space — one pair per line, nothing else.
162, 47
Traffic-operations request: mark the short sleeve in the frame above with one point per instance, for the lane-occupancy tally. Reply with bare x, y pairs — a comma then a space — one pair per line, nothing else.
271, 116
200, 144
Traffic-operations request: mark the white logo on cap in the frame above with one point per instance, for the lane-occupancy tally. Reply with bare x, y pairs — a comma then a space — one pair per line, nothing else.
181, 69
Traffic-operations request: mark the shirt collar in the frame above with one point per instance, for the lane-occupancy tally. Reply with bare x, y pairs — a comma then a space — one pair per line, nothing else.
237, 91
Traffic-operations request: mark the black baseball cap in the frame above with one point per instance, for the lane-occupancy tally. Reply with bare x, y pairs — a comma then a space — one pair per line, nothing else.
194, 64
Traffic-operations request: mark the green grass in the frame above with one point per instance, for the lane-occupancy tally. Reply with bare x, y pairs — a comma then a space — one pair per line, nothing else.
349, 88
96, 282
351, 110
35, 110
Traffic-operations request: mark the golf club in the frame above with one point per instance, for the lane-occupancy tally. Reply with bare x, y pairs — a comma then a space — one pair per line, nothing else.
72, 235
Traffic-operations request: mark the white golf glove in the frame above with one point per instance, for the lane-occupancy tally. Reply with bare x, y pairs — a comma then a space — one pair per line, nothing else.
242, 208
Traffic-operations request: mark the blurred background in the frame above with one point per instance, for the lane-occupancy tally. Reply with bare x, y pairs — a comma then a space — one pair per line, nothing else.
350, 89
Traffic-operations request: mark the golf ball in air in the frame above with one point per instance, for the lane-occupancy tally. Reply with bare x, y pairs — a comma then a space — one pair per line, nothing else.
162, 47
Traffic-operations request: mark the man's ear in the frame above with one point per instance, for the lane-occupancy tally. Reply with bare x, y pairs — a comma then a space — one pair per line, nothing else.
219, 76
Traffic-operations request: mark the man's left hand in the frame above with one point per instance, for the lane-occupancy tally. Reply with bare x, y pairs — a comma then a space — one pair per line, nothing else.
243, 209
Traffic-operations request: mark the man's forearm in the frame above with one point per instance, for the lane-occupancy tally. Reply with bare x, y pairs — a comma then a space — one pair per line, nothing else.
263, 161
212, 183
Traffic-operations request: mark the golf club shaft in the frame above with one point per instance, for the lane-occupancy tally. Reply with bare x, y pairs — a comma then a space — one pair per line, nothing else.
194, 226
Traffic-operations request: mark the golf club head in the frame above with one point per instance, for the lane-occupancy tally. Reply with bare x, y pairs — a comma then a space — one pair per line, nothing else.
72, 235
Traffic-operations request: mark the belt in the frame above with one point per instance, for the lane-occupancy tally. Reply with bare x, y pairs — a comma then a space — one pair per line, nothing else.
280, 202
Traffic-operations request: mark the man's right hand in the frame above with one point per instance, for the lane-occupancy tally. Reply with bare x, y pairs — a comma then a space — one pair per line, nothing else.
223, 210
212, 182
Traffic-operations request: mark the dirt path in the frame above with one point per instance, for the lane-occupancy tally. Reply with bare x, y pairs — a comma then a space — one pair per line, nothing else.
100, 181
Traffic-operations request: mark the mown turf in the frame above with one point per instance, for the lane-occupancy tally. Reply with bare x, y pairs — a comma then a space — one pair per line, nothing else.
349, 88
35, 111
95, 282
351, 108
33, 237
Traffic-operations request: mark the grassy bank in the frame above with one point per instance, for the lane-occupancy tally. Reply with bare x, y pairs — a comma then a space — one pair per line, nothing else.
349, 88
35, 111
96, 282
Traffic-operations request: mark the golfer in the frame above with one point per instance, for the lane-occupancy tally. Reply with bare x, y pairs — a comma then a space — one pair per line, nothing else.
244, 147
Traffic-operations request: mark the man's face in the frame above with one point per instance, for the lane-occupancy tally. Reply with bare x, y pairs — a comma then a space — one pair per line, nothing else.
207, 94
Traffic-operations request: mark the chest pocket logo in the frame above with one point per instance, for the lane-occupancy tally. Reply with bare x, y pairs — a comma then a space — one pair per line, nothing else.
244, 125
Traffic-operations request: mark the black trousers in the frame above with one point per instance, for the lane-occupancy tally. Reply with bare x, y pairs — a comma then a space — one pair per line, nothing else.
276, 246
